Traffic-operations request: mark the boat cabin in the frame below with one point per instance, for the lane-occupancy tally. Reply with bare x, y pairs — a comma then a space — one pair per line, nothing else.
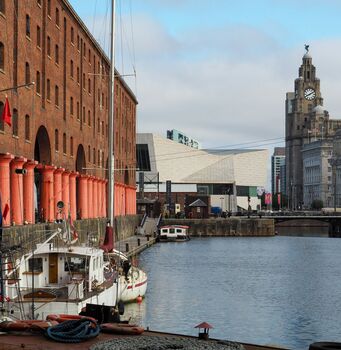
173, 233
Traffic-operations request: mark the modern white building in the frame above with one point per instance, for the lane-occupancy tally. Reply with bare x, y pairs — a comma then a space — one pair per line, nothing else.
229, 177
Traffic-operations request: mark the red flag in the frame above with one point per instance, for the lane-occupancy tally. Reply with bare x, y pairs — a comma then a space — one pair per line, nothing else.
6, 113
6, 210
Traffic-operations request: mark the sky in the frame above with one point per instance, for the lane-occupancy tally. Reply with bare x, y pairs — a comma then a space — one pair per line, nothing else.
219, 70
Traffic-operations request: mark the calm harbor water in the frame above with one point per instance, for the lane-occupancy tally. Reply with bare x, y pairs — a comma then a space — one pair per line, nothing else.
276, 290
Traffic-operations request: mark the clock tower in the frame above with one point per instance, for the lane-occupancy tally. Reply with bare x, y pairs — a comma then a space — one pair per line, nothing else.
299, 106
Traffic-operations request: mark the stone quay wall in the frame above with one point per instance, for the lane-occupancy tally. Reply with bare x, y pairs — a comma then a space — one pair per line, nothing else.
90, 232
235, 226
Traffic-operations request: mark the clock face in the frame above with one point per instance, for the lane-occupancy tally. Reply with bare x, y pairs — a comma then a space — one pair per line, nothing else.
309, 94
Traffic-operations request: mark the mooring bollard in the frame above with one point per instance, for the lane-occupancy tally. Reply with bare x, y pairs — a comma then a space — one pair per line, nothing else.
127, 247
138, 242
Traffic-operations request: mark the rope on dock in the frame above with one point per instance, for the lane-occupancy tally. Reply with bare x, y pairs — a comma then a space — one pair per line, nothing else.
73, 331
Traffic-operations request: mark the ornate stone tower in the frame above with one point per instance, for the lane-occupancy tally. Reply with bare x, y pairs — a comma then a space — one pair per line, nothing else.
298, 110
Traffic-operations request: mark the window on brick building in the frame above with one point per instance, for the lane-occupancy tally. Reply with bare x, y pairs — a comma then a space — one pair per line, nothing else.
56, 95
71, 146
94, 156
27, 127
2, 56
89, 154
71, 105
49, 8
48, 46
78, 111
99, 157
15, 124
28, 26
38, 82
57, 54
56, 140
78, 43
89, 56
72, 36
89, 86
48, 89
38, 37
57, 17
98, 125
64, 143
27, 73
84, 50
2, 6
71, 68
78, 75
83, 114
39, 3
83, 81
89, 118
2, 125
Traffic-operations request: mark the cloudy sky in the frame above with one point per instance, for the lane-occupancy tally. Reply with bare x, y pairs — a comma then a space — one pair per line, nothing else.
219, 70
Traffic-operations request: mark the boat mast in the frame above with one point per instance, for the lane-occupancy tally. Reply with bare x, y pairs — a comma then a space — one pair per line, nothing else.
111, 160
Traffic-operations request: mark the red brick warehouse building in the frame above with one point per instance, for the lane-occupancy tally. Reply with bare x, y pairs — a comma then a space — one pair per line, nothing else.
59, 131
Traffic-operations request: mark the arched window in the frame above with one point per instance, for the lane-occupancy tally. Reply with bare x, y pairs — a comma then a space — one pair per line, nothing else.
57, 54
98, 125
72, 36
84, 114
2, 56
2, 6
56, 140
38, 83
89, 118
64, 143
89, 86
38, 36
78, 111
71, 105
57, 17
56, 95
71, 68
94, 155
89, 154
78, 75
2, 124
27, 73
48, 46
27, 127
28, 26
15, 123
48, 89
49, 8
71, 146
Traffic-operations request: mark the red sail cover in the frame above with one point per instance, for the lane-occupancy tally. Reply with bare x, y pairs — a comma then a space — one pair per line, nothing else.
6, 113
108, 244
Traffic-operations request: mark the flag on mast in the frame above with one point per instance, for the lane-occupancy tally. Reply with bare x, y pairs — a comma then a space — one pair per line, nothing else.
6, 113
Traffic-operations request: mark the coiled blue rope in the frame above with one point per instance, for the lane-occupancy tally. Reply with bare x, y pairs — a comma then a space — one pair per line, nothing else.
73, 331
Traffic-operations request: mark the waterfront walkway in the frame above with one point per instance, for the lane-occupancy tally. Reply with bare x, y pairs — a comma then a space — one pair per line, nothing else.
135, 244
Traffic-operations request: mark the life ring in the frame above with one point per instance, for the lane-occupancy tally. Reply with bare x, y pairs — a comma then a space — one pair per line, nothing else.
121, 328
64, 317
325, 346
26, 325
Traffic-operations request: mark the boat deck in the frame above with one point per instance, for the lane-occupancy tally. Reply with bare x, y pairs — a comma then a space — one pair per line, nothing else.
39, 342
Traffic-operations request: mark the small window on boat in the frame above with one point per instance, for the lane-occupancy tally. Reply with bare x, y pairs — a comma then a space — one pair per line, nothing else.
35, 265
164, 230
171, 230
178, 230
75, 264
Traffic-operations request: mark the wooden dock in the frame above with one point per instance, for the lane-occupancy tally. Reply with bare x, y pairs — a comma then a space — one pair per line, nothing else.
134, 245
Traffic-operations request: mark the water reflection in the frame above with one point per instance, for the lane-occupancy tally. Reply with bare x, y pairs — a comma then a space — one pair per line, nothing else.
281, 290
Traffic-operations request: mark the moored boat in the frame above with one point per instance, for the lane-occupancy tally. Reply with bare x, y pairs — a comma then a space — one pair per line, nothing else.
173, 233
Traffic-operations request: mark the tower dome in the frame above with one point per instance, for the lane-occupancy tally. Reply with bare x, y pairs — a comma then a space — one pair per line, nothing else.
307, 55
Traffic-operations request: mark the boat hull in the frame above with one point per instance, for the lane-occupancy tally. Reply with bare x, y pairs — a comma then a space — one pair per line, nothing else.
134, 287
